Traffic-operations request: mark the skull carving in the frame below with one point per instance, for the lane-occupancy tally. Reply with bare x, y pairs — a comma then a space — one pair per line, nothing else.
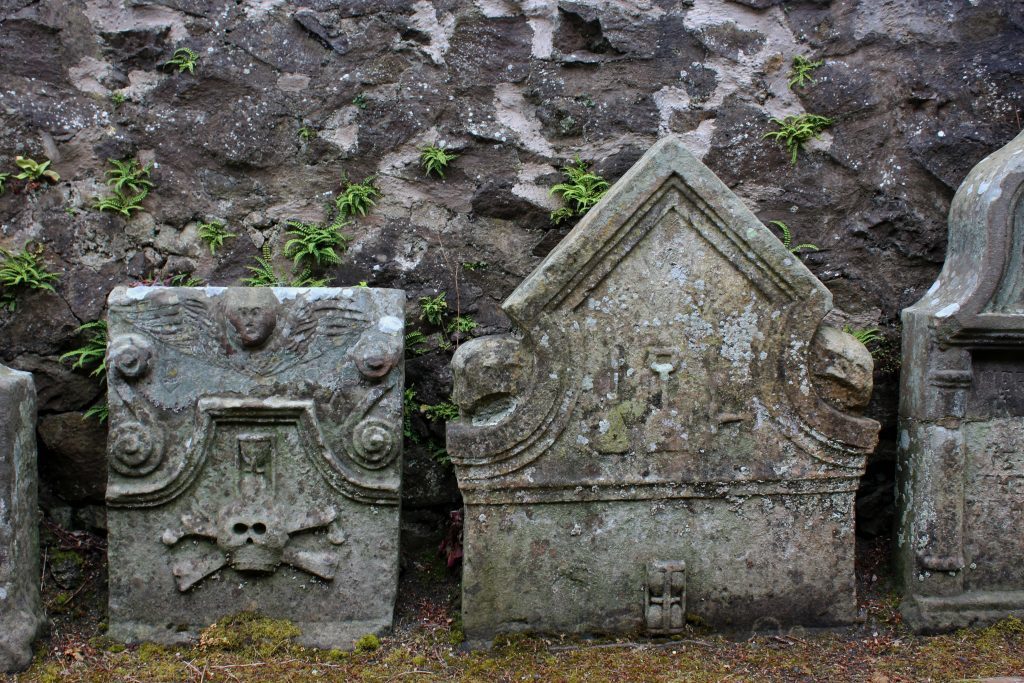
251, 536
254, 537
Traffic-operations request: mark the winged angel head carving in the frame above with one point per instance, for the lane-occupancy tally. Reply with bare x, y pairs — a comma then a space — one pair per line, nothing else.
253, 314
262, 336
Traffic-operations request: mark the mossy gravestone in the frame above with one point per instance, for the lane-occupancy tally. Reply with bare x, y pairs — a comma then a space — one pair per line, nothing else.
254, 459
672, 434
21, 611
961, 465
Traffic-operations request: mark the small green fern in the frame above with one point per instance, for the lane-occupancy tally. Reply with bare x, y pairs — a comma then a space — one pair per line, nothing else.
265, 275
800, 72
582, 191
462, 323
357, 198
185, 59
20, 270
214, 233
435, 159
315, 242
787, 239
416, 343
433, 308
91, 356
864, 335
305, 278
129, 175
796, 129
101, 411
445, 411
121, 202
185, 280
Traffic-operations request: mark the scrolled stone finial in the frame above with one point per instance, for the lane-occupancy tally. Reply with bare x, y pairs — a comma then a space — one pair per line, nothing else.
130, 356
842, 369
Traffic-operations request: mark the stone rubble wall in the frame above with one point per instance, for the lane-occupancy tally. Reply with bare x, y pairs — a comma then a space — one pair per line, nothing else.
920, 91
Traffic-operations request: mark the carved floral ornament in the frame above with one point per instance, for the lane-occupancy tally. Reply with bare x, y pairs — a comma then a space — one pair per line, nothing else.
135, 450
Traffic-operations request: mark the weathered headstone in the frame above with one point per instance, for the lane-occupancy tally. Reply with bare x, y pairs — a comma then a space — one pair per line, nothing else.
21, 611
254, 459
670, 435
961, 466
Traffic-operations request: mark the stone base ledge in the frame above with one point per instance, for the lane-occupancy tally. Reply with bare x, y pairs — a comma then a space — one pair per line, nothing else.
325, 635
939, 614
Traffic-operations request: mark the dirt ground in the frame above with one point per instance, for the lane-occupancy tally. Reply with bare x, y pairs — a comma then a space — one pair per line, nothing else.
426, 643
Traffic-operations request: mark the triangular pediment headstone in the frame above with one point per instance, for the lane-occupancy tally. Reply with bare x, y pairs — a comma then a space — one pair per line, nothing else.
669, 348
669, 268
667, 192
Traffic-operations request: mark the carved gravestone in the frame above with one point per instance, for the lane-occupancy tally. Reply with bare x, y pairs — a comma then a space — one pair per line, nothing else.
961, 466
254, 459
672, 432
21, 611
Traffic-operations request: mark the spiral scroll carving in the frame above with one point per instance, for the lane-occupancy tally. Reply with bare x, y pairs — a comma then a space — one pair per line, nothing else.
130, 356
134, 452
375, 444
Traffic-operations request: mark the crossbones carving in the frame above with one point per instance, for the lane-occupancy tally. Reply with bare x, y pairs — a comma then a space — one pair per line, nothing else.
252, 536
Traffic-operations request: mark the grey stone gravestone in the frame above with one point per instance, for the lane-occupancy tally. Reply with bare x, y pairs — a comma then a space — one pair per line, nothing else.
672, 432
960, 543
254, 459
21, 611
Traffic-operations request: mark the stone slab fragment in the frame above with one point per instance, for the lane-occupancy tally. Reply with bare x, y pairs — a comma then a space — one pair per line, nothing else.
21, 611
673, 434
961, 463
254, 459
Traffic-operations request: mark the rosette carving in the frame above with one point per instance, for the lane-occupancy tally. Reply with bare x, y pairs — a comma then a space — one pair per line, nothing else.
374, 443
130, 356
133, 450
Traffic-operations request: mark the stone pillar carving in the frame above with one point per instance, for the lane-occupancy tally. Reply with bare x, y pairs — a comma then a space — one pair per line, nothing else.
961, 441
21, 610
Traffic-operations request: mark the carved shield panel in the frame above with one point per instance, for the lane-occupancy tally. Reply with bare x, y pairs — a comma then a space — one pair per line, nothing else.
255, 458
